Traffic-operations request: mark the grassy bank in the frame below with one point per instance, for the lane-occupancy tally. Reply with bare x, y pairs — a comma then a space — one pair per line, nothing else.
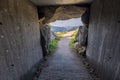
72, 42
73, 39
53, 44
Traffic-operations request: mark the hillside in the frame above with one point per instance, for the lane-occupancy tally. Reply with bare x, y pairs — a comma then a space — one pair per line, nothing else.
63, 29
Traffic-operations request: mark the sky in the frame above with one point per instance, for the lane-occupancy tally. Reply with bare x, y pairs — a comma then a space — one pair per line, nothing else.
65, 23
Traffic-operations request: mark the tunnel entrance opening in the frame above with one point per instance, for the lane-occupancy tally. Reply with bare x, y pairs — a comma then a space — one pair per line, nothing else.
64, 28
48, 16
52, 14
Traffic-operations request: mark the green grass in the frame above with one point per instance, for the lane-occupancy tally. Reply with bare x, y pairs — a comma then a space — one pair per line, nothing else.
72, 42
73, 39
53, 44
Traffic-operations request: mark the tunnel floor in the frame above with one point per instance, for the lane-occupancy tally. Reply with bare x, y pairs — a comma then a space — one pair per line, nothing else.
64, 64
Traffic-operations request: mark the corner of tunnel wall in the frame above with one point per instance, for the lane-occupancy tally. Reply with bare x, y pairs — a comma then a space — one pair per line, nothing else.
104, 39
20, 48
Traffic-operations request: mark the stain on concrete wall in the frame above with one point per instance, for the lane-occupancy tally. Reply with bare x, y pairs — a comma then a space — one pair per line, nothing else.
103, 50
20, 48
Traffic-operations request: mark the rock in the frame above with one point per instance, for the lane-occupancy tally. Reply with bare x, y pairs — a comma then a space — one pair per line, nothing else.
81, 40
45, 39
51, 14
85, 17
81, 50
82, 35
67, 12
76, 45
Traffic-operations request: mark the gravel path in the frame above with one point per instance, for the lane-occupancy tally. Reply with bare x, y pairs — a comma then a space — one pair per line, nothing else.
64, 64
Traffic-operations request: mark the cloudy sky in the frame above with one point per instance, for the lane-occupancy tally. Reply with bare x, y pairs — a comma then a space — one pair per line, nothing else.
65, 23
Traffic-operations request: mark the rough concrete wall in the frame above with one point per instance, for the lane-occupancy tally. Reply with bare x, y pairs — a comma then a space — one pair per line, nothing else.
20, 48
104, 38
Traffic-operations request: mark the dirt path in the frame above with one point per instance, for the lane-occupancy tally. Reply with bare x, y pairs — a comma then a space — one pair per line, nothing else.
64, 64
68, 33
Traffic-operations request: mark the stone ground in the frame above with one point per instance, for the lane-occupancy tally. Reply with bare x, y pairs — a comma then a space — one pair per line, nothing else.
64, 64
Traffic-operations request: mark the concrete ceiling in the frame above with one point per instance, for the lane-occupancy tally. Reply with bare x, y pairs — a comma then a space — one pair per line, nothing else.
59, 2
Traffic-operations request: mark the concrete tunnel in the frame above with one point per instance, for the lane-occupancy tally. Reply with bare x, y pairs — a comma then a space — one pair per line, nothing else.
21, 50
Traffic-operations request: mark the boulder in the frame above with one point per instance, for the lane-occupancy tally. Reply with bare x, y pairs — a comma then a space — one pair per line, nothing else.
45, 39
82, 36
51, 14
80, 49
76, 45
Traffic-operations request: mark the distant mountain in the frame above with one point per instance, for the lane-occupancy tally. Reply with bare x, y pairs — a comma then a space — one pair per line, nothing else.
69, 28
63, 29
58, 29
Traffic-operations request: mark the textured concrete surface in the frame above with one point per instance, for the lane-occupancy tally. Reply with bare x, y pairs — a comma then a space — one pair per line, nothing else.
59, 2
103, 50
20, 48
64, 65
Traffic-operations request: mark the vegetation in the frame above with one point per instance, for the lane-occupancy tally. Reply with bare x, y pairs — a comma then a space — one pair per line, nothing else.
73, 39
53, 44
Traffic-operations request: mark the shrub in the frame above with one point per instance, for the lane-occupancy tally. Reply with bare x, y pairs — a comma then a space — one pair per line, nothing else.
53, 44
